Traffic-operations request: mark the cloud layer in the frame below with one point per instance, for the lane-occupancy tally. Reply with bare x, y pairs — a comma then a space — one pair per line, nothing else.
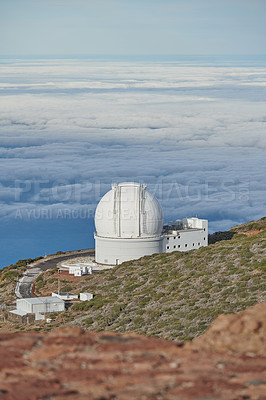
194, 132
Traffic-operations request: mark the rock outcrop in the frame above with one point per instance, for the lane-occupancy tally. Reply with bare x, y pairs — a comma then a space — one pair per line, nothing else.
69, 363
243, 333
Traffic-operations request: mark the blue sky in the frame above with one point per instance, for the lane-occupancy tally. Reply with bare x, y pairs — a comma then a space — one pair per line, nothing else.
59, 27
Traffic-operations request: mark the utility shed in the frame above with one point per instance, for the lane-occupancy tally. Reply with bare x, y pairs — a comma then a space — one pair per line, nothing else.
40, 306
79, 269
85, 296
65, 295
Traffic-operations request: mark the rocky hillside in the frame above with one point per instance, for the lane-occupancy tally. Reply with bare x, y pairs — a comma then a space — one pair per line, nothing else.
226, 363
174, 296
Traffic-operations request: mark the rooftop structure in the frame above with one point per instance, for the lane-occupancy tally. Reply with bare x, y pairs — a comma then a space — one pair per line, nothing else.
65, 295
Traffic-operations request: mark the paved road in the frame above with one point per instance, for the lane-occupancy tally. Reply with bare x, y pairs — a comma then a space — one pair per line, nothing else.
48, 264
25, 284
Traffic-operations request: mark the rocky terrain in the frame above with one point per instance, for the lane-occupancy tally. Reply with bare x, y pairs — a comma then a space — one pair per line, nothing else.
227, 363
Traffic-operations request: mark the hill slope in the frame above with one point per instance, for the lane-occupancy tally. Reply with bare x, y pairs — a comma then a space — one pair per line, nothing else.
174, 295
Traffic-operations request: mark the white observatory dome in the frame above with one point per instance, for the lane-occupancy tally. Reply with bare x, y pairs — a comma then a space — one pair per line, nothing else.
128, 210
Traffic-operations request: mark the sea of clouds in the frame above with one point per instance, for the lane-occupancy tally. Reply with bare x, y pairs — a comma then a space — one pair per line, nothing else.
194, 132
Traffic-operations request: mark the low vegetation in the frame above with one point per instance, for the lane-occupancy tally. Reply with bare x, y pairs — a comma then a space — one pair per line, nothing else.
174, 295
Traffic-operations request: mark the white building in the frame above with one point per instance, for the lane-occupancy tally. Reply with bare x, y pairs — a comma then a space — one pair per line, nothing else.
186, 234
85, 296
79, 269
129, 225
40, 306
65, 295
129, 222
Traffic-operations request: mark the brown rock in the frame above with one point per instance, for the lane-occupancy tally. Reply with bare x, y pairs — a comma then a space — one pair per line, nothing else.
244, 332
70, 364
66, 331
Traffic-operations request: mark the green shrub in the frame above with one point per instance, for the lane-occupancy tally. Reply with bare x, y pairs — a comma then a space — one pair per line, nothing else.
144, 301
88, 321
10, 275
53, 271
138, 321
82, 306
52, 280
40, 282
66, 288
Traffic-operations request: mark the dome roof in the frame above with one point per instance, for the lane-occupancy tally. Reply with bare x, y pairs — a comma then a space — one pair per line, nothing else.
128, 210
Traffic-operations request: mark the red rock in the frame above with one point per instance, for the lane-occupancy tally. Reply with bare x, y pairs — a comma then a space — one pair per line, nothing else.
66, 331
70, 364
244, 332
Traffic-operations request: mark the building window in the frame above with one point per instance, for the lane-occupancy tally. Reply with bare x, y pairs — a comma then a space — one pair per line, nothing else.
174, 237
167, 238
204, 229
204, 238
174, 247
178, 237
198, 244
179, 246
167, 247
185, 245
193, 244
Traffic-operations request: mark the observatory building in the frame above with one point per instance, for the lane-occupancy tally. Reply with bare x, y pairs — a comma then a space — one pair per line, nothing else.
129, 224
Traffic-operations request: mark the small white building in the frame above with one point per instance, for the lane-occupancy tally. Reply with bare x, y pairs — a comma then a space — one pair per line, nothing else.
65, 295
79, 269
85, 296
40, 306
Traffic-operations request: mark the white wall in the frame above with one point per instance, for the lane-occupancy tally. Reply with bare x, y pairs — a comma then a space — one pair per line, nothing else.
23, 305
42, 307
85, 296
114, 251
48, 307
185, 240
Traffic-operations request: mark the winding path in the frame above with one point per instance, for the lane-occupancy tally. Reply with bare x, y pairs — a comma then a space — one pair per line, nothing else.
25, 284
